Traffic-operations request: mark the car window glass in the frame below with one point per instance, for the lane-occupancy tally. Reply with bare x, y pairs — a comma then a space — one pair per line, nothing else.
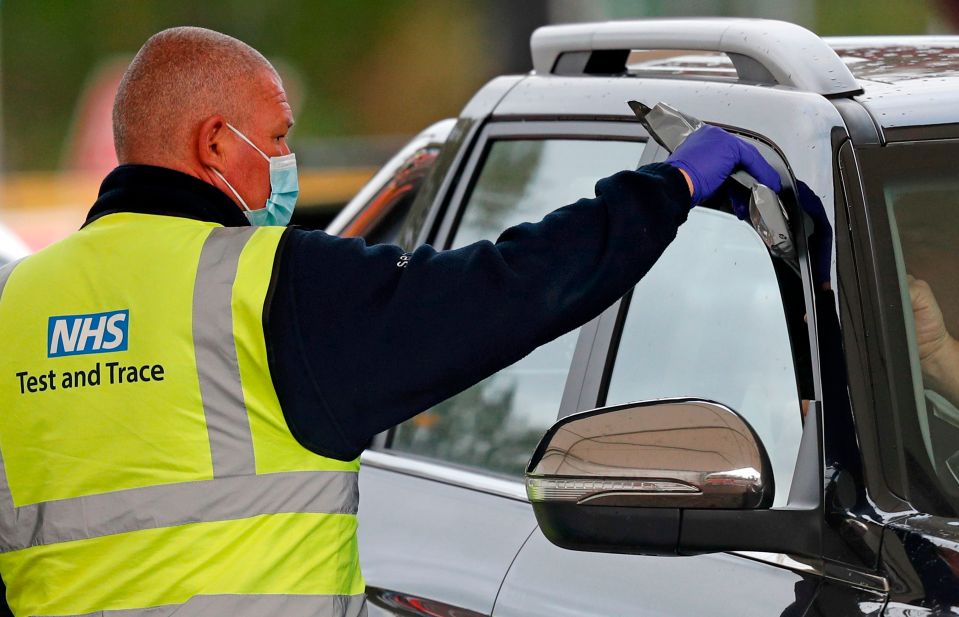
708, 322
924, 216
382, 217
496, 424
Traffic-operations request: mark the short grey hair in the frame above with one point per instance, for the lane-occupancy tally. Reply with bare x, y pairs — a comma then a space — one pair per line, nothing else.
178, 79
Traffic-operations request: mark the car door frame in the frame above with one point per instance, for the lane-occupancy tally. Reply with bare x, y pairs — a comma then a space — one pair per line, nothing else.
605, 348
596, 373
452, 203
589, 372
838, 566
383, 458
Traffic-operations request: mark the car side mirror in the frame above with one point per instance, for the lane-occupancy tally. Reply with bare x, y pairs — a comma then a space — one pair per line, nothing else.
662, 454
615, 479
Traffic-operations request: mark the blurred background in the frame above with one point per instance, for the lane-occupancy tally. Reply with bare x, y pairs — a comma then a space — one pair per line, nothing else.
363, 76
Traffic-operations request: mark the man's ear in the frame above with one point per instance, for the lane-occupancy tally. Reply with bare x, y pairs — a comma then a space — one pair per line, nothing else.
211, 142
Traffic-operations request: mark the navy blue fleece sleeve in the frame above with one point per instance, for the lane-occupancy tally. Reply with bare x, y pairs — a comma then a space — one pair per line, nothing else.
362, 337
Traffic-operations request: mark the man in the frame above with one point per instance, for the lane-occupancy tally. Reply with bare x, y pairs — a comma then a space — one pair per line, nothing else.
185, 396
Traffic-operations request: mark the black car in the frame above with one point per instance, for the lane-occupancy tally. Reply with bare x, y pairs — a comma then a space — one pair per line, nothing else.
727, 439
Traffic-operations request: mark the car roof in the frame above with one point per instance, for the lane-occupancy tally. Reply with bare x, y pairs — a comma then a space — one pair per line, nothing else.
906, 80
896, 59
903, 81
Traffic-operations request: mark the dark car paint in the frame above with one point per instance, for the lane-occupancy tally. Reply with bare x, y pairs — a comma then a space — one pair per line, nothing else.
874, 547
921, 554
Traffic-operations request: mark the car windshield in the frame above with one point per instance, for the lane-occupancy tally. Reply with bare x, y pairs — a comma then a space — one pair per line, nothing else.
921, 198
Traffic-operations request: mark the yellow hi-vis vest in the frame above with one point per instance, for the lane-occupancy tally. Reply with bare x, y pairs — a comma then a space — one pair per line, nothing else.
147, 469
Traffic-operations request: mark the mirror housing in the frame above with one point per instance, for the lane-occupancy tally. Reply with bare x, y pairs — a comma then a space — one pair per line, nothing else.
664, 454
665, 477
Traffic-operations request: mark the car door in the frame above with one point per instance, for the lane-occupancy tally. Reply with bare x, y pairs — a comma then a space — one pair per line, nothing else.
716, 318
443, 509
907, 190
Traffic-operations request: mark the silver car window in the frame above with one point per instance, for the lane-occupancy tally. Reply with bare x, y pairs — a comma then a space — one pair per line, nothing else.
708, 322
496, 424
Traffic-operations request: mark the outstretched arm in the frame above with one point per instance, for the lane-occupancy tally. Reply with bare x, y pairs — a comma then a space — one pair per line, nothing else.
363, 338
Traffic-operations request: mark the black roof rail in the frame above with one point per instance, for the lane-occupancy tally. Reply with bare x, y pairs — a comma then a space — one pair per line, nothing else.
762, 50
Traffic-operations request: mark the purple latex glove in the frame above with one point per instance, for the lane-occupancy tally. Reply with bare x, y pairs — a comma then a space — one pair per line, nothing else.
820, 240
739, 199
709, 155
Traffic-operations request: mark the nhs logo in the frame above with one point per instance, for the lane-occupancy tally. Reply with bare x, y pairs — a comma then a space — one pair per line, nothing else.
70, 335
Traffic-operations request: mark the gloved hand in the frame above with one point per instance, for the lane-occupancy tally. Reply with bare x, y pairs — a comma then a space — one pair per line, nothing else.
820, 240
709, 155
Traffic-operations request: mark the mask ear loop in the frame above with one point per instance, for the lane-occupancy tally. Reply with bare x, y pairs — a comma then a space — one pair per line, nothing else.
247, 140
230, 186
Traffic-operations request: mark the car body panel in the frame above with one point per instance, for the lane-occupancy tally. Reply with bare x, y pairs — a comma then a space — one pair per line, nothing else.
921, 554
936, 98
908, 81
435, 541
549, 581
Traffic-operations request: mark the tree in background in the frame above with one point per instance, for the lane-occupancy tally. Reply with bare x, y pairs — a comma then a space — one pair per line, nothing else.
361, 67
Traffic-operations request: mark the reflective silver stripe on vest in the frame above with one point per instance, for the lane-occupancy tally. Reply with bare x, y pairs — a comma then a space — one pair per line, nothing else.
235, 492
8, 521
5, 272
250, 606
231, 443
167, 505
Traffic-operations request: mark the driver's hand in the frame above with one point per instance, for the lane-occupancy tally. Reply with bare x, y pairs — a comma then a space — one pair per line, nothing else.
938, 351
931, 334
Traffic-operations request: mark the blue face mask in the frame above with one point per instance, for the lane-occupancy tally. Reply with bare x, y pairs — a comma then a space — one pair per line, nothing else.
284, 188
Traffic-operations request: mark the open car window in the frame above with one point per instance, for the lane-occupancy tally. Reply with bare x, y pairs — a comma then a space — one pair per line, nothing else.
496, 424
709, 321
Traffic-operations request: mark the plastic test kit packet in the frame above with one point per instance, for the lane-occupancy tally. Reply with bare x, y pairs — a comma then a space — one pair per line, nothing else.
670, 127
